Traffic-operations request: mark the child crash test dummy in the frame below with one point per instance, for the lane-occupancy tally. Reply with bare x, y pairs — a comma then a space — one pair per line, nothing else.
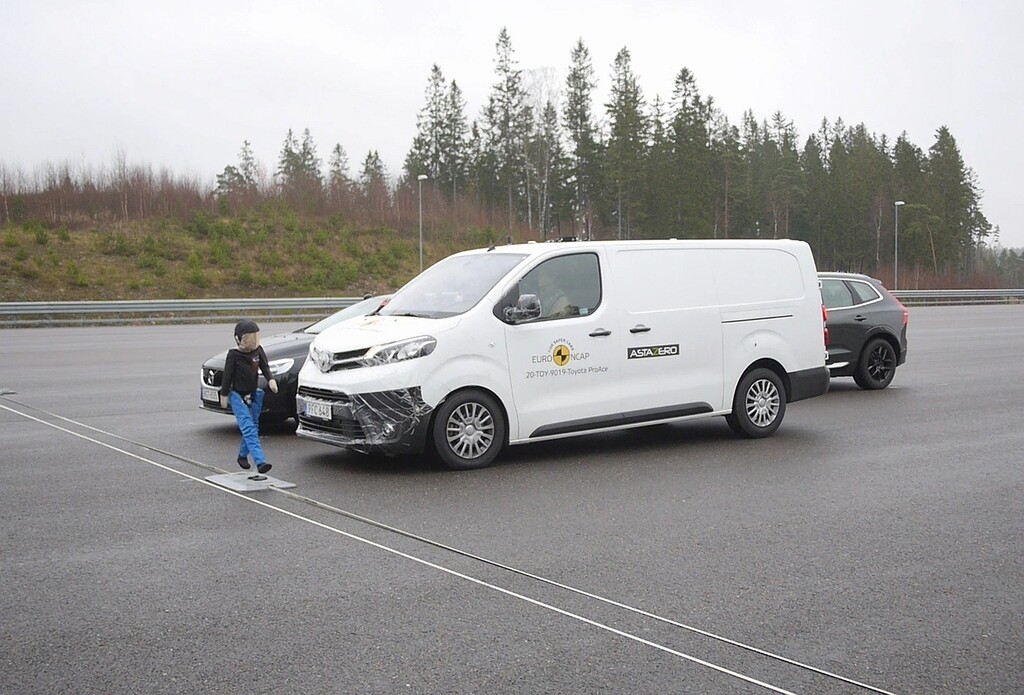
240, 390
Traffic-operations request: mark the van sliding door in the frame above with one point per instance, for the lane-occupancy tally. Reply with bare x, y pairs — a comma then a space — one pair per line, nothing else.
672, 335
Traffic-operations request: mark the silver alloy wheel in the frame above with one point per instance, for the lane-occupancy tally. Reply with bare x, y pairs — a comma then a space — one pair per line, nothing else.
762, 402
470, 430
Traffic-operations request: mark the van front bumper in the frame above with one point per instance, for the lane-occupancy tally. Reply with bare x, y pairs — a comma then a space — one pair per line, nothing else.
808, 383
391, 422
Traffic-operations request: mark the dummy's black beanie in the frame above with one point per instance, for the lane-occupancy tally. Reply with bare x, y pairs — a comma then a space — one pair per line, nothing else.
245, 326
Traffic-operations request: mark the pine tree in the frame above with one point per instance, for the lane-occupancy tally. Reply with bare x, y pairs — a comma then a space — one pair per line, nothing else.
841, 213
812, 217
298, 172
339, 183
506, 124
229, 181
660, 192
751, 212
240, 184
729, 170
373, 180
481, 166
626, 148
954, 199
691, 166
248, 167
547, 162
426, 155
910, 184
784, 178
289, 162
309, 162
454, 152
582, 134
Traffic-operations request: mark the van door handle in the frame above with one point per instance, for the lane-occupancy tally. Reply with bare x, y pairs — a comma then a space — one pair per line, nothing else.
860, 317
639, 328
600, 333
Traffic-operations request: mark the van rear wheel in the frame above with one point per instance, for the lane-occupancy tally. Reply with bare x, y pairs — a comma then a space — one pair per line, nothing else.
469, 430
759, 404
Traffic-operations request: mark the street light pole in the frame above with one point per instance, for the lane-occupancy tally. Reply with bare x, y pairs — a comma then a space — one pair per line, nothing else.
896, 247
420, 179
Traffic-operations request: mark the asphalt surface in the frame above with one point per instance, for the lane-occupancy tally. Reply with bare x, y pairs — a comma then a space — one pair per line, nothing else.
877, 538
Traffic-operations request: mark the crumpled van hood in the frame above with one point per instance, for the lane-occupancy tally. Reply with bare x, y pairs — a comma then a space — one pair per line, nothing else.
365, 332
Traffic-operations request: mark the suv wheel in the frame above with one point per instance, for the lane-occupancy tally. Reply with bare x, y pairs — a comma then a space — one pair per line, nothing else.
877, 365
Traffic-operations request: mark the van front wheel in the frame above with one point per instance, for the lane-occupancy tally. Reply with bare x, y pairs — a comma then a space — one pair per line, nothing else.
759, 404
469, 430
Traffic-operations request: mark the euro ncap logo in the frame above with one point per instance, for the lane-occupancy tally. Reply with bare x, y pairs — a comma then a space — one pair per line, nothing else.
561, 354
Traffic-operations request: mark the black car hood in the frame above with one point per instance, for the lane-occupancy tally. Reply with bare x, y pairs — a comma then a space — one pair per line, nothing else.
277, 347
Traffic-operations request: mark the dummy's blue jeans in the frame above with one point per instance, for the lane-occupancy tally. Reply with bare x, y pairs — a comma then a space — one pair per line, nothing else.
248, 417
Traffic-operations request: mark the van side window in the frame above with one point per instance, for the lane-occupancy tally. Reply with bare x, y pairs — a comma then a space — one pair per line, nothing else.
566, 285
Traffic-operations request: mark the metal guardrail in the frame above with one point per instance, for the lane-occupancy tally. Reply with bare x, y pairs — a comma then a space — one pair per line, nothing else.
951, 297
27, 314
17, 314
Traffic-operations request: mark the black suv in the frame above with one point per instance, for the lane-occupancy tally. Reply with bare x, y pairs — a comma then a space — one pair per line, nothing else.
867, 329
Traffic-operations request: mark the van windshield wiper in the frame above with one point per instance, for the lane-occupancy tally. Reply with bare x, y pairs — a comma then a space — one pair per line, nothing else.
413, 314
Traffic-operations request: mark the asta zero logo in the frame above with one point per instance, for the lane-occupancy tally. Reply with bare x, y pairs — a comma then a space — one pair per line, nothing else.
638, 353
560, 353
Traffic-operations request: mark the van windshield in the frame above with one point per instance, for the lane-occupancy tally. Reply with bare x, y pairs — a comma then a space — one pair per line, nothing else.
452, 286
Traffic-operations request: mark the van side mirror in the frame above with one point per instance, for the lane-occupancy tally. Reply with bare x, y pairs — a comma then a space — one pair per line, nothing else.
526, 309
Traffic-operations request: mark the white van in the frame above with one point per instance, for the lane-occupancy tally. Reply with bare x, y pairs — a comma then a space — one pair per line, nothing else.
522, 343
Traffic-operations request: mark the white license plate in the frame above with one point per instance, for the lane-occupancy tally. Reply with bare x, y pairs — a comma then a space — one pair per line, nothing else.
321, 411
211, 395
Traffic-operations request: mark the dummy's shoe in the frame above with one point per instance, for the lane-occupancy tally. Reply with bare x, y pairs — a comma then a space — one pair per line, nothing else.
263, 467
243, 461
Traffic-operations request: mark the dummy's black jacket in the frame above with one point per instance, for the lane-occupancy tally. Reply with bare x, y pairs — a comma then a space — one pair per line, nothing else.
241, 371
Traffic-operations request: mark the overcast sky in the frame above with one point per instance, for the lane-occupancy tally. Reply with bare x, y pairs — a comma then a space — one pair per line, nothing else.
181, 84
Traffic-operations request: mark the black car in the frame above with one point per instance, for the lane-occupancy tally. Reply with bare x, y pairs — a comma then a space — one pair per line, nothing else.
867, 329
286, 353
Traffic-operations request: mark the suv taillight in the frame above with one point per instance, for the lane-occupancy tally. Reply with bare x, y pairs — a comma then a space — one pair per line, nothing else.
906, 314
824, 321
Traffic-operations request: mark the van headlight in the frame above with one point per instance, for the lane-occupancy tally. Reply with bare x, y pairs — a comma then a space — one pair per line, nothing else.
399, 351
281, 366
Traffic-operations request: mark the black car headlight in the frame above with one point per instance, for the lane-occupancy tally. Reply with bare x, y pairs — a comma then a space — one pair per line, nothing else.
278, 367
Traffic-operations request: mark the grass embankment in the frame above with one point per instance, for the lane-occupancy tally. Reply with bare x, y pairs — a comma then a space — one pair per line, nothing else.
269, 253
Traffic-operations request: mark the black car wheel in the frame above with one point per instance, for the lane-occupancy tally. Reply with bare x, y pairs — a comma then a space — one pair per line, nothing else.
759, 404
469, 430
877, 365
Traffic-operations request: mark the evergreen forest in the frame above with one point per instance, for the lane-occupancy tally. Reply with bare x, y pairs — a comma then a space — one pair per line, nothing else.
540, 160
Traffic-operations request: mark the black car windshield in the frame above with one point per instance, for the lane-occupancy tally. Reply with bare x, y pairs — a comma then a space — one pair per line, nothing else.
452, 286
360, 308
